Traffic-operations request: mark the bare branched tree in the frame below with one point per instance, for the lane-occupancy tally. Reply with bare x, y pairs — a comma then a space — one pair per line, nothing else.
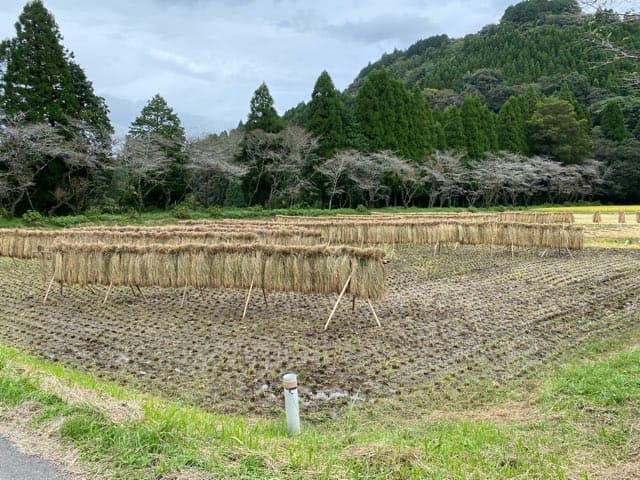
293, 155
144, 158
27, 151
335, 171
212, 160
411, 177
607, 13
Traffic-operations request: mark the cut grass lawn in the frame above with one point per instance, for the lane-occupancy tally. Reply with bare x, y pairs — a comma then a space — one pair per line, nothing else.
580, 421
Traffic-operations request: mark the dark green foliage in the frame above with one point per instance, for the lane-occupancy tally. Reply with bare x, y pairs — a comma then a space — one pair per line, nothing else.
511, 126
262, 114
612, 123
479, 127
234, 196
93, 109
391, 118
37, 82
623, 175
531, 11
326, 116
453, 128
536, 42
555, 130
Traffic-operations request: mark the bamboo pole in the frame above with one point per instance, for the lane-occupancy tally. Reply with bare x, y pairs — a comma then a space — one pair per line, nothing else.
184, 295
373, 310
246, 304
344, 289
107, 294
46, 295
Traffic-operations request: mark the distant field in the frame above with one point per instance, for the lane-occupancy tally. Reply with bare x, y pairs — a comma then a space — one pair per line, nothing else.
591, 209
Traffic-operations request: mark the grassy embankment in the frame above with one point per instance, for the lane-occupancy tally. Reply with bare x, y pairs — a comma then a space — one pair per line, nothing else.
578, 420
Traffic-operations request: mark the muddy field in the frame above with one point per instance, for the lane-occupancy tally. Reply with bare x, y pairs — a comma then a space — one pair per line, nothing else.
465, 314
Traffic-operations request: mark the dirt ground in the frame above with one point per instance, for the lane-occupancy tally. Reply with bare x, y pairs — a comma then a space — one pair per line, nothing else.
465, 313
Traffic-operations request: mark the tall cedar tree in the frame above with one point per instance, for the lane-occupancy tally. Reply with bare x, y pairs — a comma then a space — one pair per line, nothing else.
326, 116
511, 127
612, 122
390, 118
555, 130
263, 117
479, 127
453, 128
157, 118
262, 113
37, 81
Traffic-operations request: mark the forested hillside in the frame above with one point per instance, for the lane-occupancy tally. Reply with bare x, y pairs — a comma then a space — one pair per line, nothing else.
542, 107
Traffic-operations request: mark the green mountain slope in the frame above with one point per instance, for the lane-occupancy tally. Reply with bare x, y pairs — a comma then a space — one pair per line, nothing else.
530, 45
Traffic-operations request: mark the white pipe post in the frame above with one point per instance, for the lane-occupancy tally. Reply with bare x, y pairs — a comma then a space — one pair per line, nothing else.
291, 405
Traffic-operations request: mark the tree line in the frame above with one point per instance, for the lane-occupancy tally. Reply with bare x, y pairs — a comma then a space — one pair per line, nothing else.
384, 144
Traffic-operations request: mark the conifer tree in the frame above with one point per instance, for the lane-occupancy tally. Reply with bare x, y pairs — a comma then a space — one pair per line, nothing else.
511, 127
37, 83
326, 116
479, 127
159, 127
378, 112
612, 123
391, 118
453, 128
262, 113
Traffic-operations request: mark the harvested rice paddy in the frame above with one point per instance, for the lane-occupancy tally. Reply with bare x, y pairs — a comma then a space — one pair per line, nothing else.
468, 314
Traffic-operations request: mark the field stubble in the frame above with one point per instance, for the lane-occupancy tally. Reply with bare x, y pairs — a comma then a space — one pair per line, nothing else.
464, 315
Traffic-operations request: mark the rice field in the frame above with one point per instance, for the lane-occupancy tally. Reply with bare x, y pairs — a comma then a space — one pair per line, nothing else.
466, 314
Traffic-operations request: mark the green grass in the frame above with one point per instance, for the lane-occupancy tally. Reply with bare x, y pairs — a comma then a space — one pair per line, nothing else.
167, 217
588, 408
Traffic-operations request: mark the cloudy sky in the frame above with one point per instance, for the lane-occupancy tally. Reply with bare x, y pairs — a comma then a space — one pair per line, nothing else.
206, 57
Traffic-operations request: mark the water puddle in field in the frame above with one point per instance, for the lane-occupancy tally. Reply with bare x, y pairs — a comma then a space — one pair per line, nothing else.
335, 395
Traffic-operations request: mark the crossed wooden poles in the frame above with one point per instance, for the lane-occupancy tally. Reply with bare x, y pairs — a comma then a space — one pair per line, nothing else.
246, 304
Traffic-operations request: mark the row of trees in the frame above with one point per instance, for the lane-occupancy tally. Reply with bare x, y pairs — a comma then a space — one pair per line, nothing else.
384, 145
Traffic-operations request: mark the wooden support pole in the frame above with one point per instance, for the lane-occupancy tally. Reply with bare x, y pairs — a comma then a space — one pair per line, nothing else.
142, 294
246, 304
107, 294
46, 295
373, 310
435, 249
264, 295
353, 304
569, 252
344, 289
184, 295
133, 291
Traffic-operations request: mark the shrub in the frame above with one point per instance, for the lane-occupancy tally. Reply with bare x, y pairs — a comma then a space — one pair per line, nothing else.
33, 218
233, 196
214, 212
362, 209
93, 213
132, 214
181, 212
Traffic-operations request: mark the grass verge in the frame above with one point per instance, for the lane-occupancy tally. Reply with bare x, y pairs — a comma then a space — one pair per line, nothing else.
581, 421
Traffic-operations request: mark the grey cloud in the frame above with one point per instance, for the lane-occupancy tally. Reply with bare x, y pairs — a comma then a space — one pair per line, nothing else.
402, 28
206, 57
